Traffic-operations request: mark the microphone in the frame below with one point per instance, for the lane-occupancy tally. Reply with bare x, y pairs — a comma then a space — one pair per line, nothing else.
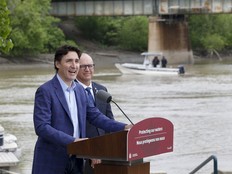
106, 97
103, 96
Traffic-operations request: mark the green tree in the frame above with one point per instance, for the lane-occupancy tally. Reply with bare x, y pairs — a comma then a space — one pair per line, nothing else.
130, 33
223, 27
213, 44
134, 33
5, 28
101, 29
211, 33
34, 31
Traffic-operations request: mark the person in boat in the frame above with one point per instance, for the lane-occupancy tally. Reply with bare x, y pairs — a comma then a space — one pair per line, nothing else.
84, 77
155, 61
61, 109
164, 62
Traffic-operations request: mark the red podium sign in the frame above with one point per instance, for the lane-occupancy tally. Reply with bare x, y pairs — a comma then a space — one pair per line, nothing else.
149, 137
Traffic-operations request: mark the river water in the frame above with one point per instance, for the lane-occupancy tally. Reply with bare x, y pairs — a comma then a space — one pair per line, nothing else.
199, 104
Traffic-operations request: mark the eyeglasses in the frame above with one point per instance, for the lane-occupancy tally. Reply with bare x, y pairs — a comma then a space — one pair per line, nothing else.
90, 66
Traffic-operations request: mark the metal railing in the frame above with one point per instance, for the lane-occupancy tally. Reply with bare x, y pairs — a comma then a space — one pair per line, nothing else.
215, 165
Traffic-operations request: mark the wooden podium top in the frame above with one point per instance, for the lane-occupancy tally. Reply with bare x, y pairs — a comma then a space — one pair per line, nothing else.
111, 146
146, 138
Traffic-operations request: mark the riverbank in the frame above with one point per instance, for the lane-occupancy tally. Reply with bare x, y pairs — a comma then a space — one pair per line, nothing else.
102, 58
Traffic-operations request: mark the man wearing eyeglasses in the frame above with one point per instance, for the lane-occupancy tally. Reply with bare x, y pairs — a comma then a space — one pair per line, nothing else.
84, 77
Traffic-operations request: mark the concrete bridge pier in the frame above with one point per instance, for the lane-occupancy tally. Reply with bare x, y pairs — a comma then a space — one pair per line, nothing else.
171, 38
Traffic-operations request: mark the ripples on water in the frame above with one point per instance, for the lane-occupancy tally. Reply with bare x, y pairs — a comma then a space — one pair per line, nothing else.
198, 104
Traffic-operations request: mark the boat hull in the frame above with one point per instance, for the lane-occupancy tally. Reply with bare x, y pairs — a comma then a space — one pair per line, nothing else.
130, 68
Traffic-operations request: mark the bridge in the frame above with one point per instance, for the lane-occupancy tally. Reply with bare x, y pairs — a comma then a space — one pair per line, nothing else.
168, 28
138, 7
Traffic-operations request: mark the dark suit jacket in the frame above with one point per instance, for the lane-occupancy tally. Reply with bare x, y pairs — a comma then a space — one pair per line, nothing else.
91, 130
54, 127
105, 108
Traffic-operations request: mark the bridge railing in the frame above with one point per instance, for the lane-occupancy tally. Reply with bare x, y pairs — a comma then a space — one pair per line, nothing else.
194, 6
138, 7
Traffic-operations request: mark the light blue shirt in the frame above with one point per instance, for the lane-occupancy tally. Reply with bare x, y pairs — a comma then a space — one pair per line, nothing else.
71, 101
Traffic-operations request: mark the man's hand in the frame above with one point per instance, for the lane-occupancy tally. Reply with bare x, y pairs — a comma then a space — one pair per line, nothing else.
95, 161
128, 127
80, 139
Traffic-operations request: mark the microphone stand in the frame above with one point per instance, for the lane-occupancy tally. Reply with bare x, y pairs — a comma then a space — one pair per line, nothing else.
122, 112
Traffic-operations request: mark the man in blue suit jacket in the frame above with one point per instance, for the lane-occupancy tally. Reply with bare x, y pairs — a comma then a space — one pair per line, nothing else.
61, 109
84, 77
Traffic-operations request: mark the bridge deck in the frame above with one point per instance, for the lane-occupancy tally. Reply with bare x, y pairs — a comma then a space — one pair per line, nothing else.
138, 7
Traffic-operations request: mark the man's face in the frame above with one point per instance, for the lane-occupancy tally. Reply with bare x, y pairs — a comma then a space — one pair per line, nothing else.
68, 67
86, 70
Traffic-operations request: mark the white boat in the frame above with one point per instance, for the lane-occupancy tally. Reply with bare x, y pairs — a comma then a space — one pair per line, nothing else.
9, 150
147, 67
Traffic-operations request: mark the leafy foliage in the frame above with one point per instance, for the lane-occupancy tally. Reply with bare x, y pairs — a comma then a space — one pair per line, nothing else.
127, 32
134, 33
101, 29
213, 42
33, 29
211, 32
5, 29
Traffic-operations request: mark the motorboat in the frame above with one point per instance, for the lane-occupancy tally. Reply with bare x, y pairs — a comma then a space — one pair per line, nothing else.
147, 68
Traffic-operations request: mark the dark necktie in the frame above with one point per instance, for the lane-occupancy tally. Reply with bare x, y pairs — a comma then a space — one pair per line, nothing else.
91, 100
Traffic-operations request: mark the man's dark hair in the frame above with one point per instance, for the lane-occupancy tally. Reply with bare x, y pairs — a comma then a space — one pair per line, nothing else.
62, 51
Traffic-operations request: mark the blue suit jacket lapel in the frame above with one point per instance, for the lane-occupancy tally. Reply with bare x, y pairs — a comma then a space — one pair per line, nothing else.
81, 110
60, 95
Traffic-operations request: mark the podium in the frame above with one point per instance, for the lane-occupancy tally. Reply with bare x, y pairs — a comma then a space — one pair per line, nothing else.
123, 152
